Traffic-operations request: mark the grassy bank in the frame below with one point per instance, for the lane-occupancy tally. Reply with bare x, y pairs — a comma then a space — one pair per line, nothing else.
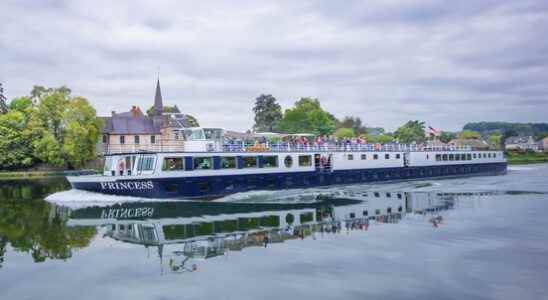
518, 158
39, 174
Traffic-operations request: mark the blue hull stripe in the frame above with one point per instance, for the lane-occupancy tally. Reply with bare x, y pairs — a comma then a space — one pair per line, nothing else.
217, 186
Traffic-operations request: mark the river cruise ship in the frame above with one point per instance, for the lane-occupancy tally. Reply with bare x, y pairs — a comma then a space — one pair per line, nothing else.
207, 166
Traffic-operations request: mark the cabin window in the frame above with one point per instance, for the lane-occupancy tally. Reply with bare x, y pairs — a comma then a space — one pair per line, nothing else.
387, 156
365, 213
173, 164
228, 162
350, 157
203, 186
122, 139
427, 156
388, 195
399, 196
146, 163
475, 156
438, 157
377, 211
288, 161
105, 138
484, 155
377, 194
494, 155
468, 156
398, 156
249, 161
463, 156
375, 156
489, 155
305, 160
270, 161
153, 139
202, 163
364, 156
136, 139
451, 157
457, 156
171, 188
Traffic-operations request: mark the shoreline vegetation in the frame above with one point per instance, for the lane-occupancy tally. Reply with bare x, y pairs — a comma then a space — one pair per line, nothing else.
517, 158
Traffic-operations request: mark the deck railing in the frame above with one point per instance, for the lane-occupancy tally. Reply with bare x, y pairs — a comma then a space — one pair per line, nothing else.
282, 147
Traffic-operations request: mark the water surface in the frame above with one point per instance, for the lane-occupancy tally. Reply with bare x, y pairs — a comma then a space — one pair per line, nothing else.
474, 238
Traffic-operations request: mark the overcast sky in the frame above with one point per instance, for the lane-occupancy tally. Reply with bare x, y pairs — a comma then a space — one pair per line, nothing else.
446, 63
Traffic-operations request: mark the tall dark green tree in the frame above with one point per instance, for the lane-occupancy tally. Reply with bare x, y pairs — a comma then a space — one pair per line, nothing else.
3, 104
353, 122
410, 132
307, 117
268, 113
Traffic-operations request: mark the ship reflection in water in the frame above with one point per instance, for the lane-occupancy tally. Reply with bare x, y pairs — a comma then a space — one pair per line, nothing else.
183, 233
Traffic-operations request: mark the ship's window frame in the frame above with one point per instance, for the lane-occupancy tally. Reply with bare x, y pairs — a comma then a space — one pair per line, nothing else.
475, 155
451, 157
457, 156
376, 194
228, 162
146, 163
364, 156
303, 160
350, 156
484, 155
398, 156
445, 157
272, 164
494, 155
375, 156
468, 156
177, 164
199, 163
250, 162
387, 156
438, 157
288, 161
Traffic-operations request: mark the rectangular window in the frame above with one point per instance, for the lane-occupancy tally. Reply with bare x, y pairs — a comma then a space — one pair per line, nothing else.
173, 164
444, 156
475, 156
350, 157
484, 155
202, 163
249, 161
457, 156
136, 139
375, 156
153, 139
364, 156
387, 156
146, 163
494, 155
305, 160
270, 161
105, 138
398, 156
438, 157
122, 139
228, 162
451, 157
489, 155
468, 156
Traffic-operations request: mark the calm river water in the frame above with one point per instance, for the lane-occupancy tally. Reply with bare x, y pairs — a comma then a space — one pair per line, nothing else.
467, 238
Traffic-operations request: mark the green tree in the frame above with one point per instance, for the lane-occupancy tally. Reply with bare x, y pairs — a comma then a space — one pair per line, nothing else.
381, 139
15, 149
469, 135
495, 140
268, 113
191, 120
412, 131
307, 117
353, 122
446, 136
22, 104
343, 133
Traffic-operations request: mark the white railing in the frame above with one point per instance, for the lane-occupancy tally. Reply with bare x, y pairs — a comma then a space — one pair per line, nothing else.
177, 146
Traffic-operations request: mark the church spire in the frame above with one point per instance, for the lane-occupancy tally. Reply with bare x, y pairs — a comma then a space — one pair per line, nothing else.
158, 105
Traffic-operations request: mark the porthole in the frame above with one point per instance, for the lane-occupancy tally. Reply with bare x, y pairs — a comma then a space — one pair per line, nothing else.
288, 161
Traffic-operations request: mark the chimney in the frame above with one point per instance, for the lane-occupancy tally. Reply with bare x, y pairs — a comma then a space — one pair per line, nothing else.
134, 111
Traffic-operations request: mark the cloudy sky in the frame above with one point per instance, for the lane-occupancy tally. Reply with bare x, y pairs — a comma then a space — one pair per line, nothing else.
447, 63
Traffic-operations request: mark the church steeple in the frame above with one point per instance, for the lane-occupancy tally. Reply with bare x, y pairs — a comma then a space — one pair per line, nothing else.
158, 105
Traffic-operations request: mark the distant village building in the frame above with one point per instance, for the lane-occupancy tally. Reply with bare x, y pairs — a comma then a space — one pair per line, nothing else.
3, 101
544, 143
134, 131
474, 144
522, 143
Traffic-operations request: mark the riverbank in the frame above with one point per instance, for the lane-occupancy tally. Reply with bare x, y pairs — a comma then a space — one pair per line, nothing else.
516, 158
40, 174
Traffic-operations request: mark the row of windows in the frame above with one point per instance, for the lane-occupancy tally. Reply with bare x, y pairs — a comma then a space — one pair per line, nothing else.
136, 139
375, 156
229, 162
464, 156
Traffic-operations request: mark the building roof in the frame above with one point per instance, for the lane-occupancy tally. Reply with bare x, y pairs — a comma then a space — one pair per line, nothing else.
131, 122
519, 140
158, 102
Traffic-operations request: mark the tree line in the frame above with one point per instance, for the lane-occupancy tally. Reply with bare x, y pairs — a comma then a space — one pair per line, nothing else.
49, 127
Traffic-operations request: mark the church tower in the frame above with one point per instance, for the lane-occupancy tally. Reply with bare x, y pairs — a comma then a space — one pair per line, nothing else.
158, 102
